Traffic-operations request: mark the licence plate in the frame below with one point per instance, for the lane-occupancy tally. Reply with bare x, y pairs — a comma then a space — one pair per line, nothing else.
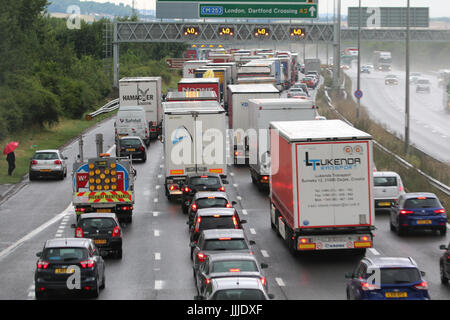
103, 210
384, 204
64, 271
45, 170
396, 294
98, 241
122, 135
131, 149
424, 222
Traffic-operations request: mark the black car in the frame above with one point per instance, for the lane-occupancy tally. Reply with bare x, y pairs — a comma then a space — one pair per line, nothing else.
196, 183
444, 264
132, 147
64, 258
104, 229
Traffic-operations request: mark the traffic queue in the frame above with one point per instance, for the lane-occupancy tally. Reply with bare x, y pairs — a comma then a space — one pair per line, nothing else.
231, 109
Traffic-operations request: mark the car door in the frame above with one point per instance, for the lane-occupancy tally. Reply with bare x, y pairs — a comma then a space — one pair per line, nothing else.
95, 254
202, 274
355, 292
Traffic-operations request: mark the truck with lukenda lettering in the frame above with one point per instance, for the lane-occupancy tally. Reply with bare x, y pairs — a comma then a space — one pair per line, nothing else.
321, 185
104, 184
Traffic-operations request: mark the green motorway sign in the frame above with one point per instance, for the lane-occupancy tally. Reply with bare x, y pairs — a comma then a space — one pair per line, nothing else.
258, 10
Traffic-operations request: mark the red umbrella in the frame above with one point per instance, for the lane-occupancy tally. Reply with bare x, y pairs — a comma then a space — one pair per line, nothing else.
10, 147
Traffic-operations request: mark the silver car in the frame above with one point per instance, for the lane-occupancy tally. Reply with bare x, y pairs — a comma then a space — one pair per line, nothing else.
388, 187
48, 163
235, 288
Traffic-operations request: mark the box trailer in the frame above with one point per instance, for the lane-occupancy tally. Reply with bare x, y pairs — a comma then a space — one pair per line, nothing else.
260, 113
219, 72
194, 139
190, 66
238, 121
321, 185
145, 92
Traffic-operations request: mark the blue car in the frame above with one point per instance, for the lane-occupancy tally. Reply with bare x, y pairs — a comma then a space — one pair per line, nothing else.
414, 211
386, 278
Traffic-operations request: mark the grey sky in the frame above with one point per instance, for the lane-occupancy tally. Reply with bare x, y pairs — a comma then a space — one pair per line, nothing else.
438, 8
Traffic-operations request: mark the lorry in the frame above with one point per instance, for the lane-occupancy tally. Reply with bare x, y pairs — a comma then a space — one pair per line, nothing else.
382, 60
321, 185
260, 113
200, 84
253, 71
248, 80
194, 142
190, 66
231, 65
145, 92
104, 184
312, 64
238, 119
219, 72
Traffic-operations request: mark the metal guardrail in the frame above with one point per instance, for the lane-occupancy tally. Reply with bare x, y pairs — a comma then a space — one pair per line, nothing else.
437, 184
110, 106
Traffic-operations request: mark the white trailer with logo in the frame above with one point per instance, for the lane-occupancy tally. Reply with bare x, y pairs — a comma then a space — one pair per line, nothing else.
239, 94
321, 185
194, 138
261, 112
144, 92
190, 66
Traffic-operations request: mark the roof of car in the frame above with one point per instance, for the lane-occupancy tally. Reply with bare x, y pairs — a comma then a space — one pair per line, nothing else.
212, 211
385, 174
236, 283
222, 233
206, 194
98, 215
130, 137
48, 150
410, 195
232, 255
68, 242
385, 262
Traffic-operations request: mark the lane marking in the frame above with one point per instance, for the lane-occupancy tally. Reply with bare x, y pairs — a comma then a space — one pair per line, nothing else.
159, 284
155, 213
156, 233
265, 254
33, 233
235, 185
280, 282
155, 200
157, 256
111, 149
252, 231
244, 212
239, 198
157, 187
374, 251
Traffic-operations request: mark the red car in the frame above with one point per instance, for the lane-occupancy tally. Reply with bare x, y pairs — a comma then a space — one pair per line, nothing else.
309, 81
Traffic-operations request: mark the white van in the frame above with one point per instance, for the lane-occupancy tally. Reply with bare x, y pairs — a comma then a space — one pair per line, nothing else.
388, 187
131, 121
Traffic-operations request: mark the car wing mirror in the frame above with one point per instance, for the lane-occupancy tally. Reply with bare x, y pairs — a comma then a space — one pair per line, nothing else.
442, 247
271, 296
264, 265
39, 254
225, 182
423, 273
243, 221
233, 203
349, 275
73, 226
251, 242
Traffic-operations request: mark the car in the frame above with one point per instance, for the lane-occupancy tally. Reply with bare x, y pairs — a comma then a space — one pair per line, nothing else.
214, 218
388, 186
423, 85
309, 81
300, 95
314, 74
365, 69
414, 76
223, 265
235, 288
104, 229
302, 86
199, 182
62, 258
444, 264
133, 147
48, 163
387, 278
208, 199
294, 91
420, 210
220, 240
391, 79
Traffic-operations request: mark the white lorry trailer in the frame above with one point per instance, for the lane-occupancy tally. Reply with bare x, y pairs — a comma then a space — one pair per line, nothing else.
260, 113
194, 137
321, 185
190, 66
239, 95
144, 92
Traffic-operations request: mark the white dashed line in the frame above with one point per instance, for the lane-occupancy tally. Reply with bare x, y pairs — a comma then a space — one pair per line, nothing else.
235, 185
155, 213
374, 251
280, 282
157, 187
239, 198
159, 284
155, 200
156, 233
244, 212
265, 254
157, 256
252, 231
159, 176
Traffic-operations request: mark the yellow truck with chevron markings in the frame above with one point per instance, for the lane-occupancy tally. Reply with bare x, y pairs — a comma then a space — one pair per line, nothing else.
104, 184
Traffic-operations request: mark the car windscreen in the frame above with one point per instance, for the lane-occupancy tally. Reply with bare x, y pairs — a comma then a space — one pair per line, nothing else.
204, 181
97, 224
217, 223
225, 244
64, 254
212, 202
385, 181
130, 142
239, 294
234, 266
45, 156
421, 202
399, 275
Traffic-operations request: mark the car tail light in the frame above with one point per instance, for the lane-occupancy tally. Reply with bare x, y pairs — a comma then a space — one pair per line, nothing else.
405, 212
194, 207
87, 264
186, 189
422, 198
141, 148
197, 225
422, 286
43, 264
116, 232
365, 286
207, 280
234, 270
400, 188
58, 162
80, 209
222, 189
173, 187
364, 238
265, 178
263, 281
224, 239
235, 222
201, 257
33, 162
79, 233
228, 205
439, 211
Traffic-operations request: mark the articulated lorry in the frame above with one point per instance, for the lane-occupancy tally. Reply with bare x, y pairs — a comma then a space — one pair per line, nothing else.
194, 138
321, 185
382, 60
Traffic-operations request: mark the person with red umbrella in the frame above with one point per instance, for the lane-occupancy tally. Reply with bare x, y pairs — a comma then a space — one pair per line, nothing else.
10, 156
